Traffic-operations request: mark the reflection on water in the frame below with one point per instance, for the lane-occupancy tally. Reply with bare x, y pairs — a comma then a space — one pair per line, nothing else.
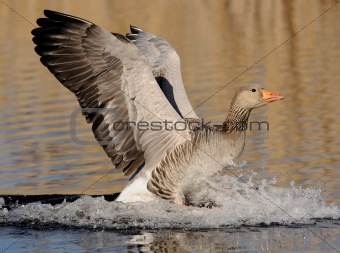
256, 239
231, 240
217, 42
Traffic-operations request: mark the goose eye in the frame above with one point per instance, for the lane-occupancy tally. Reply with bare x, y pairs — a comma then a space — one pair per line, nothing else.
253, 90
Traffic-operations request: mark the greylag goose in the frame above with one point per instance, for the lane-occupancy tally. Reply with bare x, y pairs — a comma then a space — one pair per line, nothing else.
136, 79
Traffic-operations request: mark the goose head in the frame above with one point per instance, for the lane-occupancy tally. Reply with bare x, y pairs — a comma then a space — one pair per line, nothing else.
250, 96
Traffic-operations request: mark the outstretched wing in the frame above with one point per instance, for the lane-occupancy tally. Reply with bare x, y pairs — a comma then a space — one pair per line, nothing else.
114, 85
166, 67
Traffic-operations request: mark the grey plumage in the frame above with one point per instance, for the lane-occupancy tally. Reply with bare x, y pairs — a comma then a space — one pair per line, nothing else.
166, 67
99, 68
137, 78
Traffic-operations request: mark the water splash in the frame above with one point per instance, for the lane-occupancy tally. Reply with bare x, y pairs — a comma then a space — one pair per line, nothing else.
237, 201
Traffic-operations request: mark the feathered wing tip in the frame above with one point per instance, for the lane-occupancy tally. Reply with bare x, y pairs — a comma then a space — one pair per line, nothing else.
134, 33
135, 29
54, 15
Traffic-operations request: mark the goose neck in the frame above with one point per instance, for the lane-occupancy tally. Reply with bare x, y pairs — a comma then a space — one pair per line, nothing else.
237, 119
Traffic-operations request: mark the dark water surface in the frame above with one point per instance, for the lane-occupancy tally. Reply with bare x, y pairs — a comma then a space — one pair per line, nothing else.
218, 41
246, 239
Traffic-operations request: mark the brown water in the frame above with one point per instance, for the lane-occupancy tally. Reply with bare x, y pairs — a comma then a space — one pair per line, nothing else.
218, 42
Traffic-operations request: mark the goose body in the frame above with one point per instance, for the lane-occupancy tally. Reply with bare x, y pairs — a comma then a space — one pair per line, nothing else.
209, 150
136, 78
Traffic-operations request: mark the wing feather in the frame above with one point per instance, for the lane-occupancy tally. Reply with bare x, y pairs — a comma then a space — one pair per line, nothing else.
113, 82
166, 67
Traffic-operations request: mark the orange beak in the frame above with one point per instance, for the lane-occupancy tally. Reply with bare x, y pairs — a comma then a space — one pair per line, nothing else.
268, 96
